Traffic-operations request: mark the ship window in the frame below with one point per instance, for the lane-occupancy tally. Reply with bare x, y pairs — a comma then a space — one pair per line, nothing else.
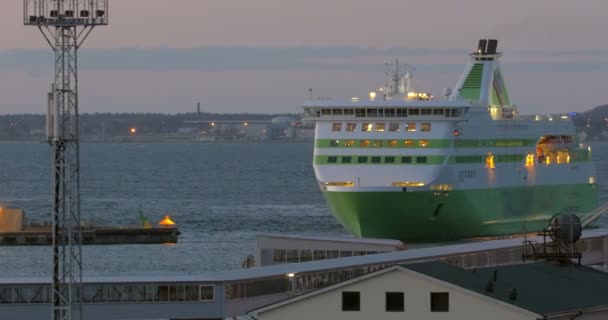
367, 127
410, 127
372, 112
349, 143
393, 127
438, 111
378, 143
413, 112
349, 112
364, 143
421, 159
425, 127
359, 112
393, 143
337, 126
408, 143
376, 159
426, 111
389, 113
332, 159
336, 112
402, 113
389, 160
346, 159
334, 143
380, 127
362, 159
406, 159
423, 143
350, 127
326, 112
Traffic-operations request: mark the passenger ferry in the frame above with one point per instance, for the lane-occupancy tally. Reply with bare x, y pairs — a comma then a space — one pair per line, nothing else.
403, 165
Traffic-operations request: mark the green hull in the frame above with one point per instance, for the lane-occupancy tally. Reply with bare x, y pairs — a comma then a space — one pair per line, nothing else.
429, 216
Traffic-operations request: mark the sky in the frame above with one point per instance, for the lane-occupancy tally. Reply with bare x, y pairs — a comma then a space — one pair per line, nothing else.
262, 56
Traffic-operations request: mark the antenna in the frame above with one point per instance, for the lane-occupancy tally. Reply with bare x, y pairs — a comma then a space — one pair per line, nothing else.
396, 77
65, 25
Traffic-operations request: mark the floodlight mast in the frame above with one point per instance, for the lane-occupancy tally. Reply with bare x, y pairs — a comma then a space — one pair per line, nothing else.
65, 25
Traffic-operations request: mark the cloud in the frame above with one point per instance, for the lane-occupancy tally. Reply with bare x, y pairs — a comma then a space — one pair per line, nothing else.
230, 59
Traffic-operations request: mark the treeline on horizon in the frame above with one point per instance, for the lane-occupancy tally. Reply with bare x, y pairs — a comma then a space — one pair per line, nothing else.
25, 126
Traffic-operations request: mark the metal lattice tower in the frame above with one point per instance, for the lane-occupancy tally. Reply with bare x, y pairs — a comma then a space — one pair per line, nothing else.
65, 25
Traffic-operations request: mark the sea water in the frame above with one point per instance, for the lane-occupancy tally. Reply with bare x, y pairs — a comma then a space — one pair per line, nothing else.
220, 195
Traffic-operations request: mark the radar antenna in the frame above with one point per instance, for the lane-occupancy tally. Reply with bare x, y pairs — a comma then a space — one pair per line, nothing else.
65, 25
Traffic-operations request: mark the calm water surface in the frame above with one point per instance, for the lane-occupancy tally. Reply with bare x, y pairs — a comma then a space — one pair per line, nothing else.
220, 195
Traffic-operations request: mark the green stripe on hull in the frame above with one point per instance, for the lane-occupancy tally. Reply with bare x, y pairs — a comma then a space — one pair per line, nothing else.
428, 216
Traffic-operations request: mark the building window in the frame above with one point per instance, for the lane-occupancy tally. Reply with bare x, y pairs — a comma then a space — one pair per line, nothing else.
393, 127
350, 127
367, 127
305, 255
332, 159
364, 143
380, 127
393, 143
351, 301
376, 159
293, 256
406, 159
336, 127
346, 159
334, 143
410, 127
378, 143
206, 293
425, 127
423, 143
420, 159
389, 160
278, 256
426, 111
408, 143
440, 301
394, 302
362, 159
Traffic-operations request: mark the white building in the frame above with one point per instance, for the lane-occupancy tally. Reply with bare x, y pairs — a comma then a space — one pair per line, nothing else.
436, 290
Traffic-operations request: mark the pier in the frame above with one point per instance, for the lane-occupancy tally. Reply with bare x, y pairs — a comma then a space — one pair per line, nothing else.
93, 236
15, 231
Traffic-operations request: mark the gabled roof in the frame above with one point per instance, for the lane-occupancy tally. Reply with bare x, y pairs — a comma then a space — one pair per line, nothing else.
544, 288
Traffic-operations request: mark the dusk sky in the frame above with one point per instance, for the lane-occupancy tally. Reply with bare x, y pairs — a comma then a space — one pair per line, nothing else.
261, 56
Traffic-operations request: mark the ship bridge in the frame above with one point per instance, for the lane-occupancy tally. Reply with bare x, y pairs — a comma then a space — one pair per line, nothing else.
319, 110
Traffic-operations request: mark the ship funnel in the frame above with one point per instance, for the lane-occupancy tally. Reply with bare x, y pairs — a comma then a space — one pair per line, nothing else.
487, 46
481, 48
482, 82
